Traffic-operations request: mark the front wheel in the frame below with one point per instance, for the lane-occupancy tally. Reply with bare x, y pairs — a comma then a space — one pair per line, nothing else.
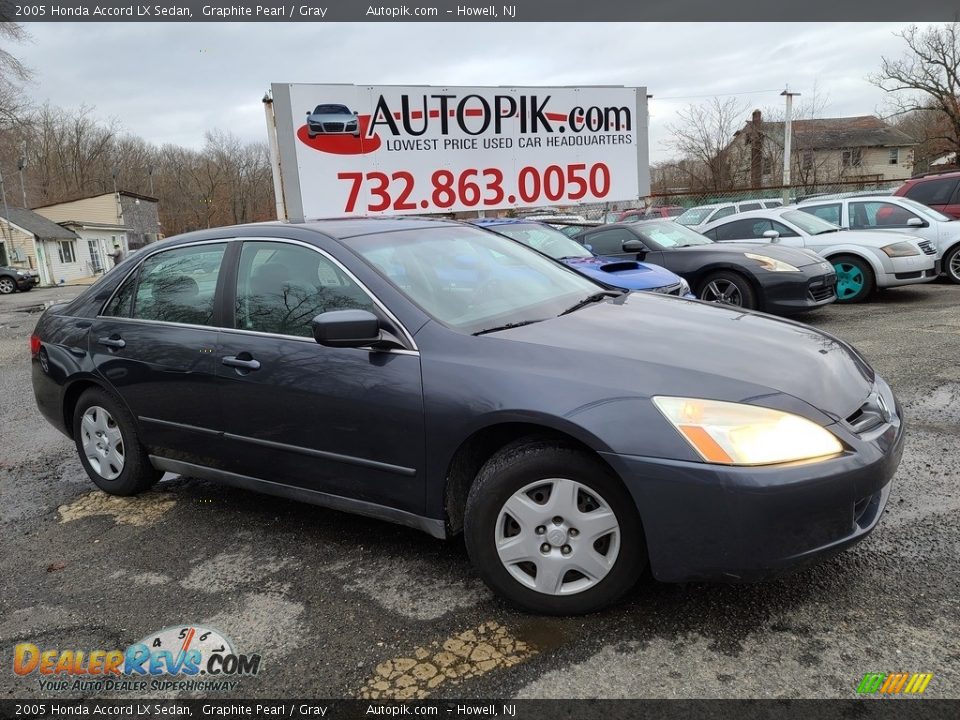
951, 264
552, 530
109, 448
855, 280
728, 288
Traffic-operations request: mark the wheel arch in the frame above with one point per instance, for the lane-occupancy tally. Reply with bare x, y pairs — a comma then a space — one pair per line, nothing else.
875, 266
72, 393
484, 442
752, 281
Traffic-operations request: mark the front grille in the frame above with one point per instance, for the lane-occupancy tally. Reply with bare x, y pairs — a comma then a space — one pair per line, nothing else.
822, 288
927, 247
333, 127
868, 416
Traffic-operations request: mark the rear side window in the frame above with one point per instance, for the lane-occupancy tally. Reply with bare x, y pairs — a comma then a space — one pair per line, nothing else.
281, 287
179, 285
933, 192
830, 213
121, 304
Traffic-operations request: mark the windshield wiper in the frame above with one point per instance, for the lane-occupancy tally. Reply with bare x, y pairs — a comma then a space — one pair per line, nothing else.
596, 297
508, 326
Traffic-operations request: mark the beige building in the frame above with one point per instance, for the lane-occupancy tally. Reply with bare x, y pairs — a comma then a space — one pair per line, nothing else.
861, 149
29, 241
103, 225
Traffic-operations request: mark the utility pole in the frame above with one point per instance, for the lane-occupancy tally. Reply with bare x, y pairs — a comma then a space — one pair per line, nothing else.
8, 229
21, 166
150, 175
787, 141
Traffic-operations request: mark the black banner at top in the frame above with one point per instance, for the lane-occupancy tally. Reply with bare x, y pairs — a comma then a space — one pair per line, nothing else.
539, 11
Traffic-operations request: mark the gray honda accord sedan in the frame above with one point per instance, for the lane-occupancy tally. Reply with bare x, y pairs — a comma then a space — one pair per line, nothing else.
450, 379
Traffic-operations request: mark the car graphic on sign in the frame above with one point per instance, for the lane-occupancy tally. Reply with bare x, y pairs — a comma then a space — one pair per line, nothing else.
332, 119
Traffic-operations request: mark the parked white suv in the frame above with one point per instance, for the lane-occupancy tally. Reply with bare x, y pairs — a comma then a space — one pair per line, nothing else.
696, 217
938, 234
863, 260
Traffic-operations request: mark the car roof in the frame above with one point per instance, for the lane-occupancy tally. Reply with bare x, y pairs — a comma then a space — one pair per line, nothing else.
768, 212
926, 177
483, 222
849, 198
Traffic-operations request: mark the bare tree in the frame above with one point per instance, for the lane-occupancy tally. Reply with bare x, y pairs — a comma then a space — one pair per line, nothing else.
702, 137
13, 73
926, 79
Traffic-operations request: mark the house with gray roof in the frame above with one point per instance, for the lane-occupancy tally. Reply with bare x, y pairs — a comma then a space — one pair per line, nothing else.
863, 149
29, 241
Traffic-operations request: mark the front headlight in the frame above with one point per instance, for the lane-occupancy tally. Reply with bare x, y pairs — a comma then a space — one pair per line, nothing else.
769, 263
728, 433
684, 287
900, 249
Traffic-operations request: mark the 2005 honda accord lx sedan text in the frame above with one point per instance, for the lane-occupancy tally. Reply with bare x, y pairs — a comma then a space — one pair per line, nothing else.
444, 377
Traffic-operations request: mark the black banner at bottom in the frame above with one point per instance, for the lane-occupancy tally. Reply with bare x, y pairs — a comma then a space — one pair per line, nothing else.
860, 709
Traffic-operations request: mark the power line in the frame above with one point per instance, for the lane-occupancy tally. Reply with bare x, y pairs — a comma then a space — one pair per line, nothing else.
693, 97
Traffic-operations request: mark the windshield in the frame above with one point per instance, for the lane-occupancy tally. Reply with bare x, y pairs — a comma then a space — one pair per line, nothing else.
809, 224
694, 216
330, 110
471, 279
925, 211
543, 238
668, 234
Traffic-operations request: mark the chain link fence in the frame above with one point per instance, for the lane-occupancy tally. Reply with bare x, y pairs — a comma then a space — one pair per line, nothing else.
673, 203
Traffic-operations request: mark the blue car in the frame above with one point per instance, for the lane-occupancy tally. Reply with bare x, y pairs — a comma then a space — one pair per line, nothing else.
629, 274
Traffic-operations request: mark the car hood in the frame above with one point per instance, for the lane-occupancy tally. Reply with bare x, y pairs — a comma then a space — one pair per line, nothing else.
664, 345
628, 274
798, 257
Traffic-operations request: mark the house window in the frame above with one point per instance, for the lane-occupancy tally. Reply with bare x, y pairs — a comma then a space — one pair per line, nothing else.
766, 166
851, 158
894, 156
66, 251
808, 160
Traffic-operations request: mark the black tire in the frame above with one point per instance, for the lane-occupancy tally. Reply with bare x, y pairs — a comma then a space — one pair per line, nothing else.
951, 264
137, 474
8, 285
868, 285
724, 278
528, 461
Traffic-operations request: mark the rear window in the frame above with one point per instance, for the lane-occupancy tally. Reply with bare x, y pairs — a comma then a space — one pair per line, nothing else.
933, 192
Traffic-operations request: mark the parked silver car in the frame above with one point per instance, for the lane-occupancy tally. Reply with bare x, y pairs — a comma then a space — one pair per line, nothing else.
697, 217
332, 119
863, 260
937, 234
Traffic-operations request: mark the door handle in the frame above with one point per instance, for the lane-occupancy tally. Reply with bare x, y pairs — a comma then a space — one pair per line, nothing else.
114, 341
236, 362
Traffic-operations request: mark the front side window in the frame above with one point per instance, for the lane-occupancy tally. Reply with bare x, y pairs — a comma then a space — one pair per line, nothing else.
609, 242
473, 280
66, 251
751, 229
179, 285
874, 214
281, 287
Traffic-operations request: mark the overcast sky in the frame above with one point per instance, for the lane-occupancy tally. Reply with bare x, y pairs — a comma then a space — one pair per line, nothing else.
171, 82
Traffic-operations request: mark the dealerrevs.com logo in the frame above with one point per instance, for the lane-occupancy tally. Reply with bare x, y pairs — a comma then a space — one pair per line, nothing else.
179, 657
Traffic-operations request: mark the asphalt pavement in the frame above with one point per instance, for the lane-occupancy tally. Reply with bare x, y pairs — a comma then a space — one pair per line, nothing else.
344, 606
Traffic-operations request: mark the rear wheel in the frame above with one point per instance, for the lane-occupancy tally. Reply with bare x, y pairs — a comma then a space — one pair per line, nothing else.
109, 448
728, 288
855, 280
951, 263
550, 529
7, 285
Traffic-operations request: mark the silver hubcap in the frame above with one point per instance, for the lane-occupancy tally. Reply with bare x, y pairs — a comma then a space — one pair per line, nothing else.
557, 537
6, 285
722, 291
102, 442
954, 267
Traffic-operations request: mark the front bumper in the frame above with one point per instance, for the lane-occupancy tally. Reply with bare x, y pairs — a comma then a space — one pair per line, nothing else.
788, 293
909, 271
711, 522
25, 283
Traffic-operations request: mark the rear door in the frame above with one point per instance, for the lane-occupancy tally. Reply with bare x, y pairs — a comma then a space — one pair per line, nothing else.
155, 343
343, 421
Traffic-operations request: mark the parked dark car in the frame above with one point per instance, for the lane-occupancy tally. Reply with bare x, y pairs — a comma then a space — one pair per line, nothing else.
616, 272
941, 191
764, 277
13, 279
573, 434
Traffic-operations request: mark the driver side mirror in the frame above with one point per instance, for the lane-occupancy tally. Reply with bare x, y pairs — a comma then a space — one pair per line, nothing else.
346, 328
308, 113
916, 222
634, 246
771, 235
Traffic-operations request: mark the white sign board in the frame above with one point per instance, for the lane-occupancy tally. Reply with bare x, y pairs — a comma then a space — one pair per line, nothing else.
353, 150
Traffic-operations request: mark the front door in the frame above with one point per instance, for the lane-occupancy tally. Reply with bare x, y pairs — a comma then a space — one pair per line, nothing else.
344, 421
155, 343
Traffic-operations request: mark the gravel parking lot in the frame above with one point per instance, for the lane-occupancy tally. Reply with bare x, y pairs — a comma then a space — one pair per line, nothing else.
343, 606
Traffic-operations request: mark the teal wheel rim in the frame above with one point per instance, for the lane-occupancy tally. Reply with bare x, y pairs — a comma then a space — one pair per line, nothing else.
850, 280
